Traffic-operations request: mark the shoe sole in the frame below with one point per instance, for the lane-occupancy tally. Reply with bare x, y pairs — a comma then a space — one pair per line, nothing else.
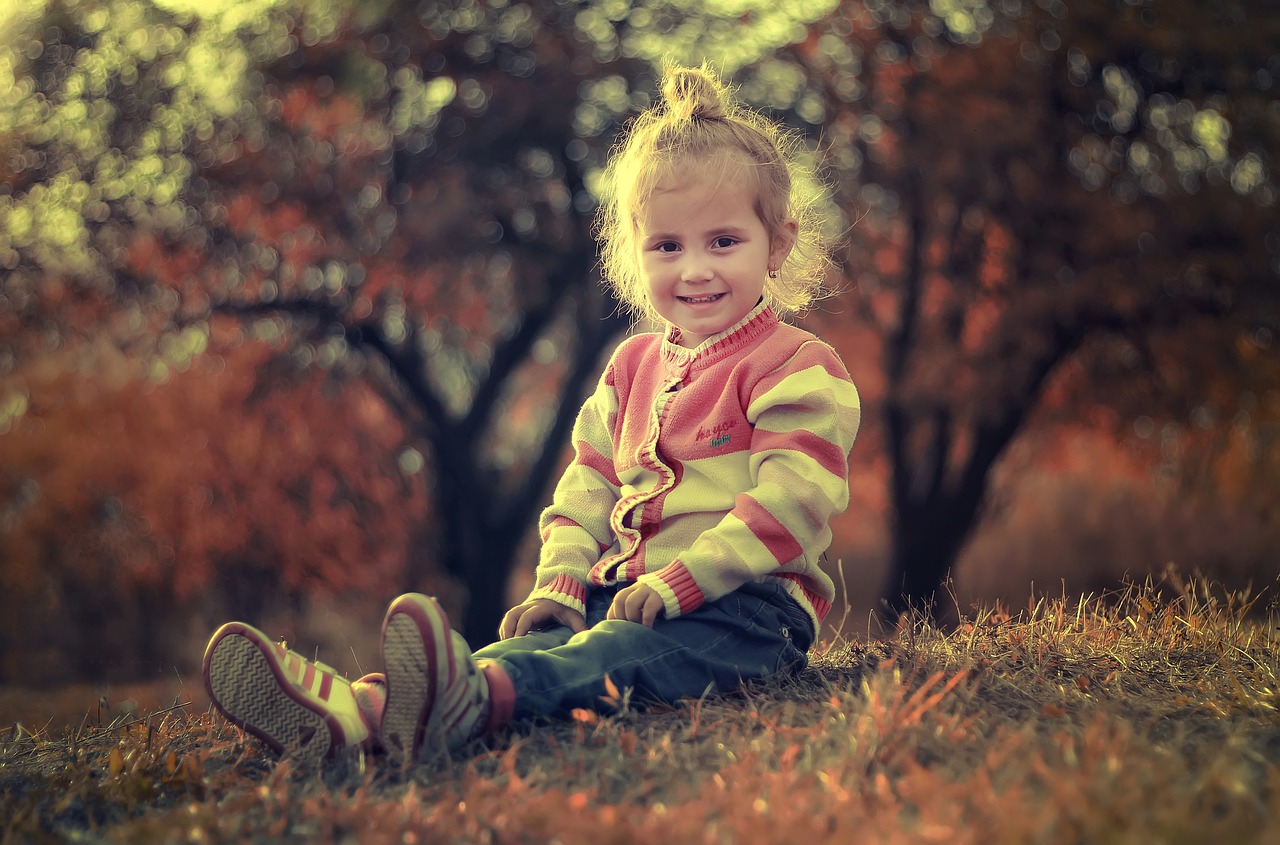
245, 681
414, 629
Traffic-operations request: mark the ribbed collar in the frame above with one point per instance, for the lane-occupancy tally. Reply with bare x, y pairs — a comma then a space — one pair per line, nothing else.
679, 361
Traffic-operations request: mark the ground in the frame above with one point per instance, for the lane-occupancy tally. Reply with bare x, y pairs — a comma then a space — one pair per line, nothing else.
1149, 715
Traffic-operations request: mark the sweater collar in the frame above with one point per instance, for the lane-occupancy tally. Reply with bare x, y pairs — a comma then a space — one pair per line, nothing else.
680, 361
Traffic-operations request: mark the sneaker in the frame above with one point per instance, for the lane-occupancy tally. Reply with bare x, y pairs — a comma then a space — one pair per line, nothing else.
298, 707
436, 696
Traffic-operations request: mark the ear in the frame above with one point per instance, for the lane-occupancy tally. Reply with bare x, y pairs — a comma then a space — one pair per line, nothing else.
783, 240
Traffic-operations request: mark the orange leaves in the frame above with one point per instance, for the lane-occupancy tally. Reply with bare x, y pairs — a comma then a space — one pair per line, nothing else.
613, 697
585, 717
925, 698
172, 490
333, 117
896, 712
606, 730
628, 741
189, 771
140, 766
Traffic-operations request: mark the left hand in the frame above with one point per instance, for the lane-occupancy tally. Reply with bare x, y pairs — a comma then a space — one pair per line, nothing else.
637, 603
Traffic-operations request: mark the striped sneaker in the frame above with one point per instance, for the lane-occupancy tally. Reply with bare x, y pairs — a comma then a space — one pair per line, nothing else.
298, 707
436, 696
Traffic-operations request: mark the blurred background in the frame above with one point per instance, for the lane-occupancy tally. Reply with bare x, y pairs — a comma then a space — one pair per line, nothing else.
299, 299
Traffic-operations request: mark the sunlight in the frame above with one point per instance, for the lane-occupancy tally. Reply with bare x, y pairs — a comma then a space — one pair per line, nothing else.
966, 19
1248, 174
12, 409
180, 350
1124, 95
229, 15
14, 14
728, 34
411, 461
420, 102
1211, 131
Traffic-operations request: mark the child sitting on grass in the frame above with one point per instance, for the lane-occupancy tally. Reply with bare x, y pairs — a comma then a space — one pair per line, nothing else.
680, 553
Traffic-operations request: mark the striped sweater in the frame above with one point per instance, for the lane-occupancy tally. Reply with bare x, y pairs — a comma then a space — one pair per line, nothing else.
696, 471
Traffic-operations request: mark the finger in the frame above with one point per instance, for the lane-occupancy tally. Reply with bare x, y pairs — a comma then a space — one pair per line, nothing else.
653, 605
575, 621
527, 620
507, 629
618, 607
647, 604
635, 606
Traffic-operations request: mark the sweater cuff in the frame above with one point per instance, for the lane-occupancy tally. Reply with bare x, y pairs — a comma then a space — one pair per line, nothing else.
565, 590
680, 593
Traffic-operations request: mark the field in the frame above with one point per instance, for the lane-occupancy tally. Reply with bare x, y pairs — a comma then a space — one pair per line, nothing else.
1148, 715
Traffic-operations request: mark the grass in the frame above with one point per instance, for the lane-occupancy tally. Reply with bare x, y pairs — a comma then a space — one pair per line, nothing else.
1148, 715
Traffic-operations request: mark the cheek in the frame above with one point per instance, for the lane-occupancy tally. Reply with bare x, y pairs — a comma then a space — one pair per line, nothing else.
651, 270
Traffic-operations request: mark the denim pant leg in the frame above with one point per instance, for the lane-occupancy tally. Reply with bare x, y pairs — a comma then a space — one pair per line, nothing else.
756, 631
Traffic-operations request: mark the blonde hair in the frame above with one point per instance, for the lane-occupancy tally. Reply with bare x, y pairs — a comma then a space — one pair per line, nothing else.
698, 117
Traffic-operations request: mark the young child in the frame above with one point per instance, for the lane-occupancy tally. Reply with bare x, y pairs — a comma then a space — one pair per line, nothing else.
680, 553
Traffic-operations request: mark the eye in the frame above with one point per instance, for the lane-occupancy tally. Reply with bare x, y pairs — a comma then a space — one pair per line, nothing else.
724, 242
666, 246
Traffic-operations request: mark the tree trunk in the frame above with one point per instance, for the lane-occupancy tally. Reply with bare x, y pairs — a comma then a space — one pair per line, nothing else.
485, 515
927, 540
486, 580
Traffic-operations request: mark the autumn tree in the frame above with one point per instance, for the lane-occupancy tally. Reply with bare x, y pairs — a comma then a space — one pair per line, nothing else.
373, 197
1035, 184
323, 223
467, 264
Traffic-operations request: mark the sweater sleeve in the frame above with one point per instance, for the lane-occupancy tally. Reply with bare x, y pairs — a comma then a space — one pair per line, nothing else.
804, 418
574, 528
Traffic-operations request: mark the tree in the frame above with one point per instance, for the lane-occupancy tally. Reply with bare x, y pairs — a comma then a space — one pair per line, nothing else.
390, 196
377, 219
136, 516
467, 226
1036, 186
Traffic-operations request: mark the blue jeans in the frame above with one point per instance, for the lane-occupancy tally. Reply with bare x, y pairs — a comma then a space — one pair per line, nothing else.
755, 631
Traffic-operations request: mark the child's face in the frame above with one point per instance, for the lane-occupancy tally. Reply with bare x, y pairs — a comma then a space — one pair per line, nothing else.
704, 252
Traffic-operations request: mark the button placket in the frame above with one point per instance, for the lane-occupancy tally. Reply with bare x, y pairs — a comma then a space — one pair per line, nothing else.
628, 514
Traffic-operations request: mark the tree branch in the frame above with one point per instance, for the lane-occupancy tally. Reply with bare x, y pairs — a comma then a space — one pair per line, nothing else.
405, 360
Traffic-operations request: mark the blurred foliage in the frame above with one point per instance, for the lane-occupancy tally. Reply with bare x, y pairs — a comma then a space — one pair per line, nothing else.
327, 269
1073, 211
116, 105
360, 193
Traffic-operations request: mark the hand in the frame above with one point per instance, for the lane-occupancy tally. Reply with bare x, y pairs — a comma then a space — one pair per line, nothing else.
637, 603
532, 615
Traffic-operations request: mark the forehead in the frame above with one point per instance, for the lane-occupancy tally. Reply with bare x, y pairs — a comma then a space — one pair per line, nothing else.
727, 167
693, 192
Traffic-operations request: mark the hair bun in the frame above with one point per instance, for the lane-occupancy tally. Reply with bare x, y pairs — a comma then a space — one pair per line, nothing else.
693, 94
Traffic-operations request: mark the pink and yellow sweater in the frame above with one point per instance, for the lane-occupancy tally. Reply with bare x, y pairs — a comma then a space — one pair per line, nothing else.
698, 470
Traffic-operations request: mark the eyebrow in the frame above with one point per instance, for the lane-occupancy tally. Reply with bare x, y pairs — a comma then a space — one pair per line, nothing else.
718, 231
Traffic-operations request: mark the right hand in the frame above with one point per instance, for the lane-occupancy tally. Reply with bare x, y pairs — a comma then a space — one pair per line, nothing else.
532, 615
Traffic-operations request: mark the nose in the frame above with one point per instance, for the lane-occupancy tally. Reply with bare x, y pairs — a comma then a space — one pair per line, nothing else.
695, 268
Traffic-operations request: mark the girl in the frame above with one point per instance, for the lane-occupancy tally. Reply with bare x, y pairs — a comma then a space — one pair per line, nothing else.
680, 553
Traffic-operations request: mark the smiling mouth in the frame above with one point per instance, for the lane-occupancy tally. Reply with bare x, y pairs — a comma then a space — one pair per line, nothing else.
701, 300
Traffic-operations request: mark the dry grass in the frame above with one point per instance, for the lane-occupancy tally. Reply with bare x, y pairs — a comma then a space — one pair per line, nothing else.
1148, 715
